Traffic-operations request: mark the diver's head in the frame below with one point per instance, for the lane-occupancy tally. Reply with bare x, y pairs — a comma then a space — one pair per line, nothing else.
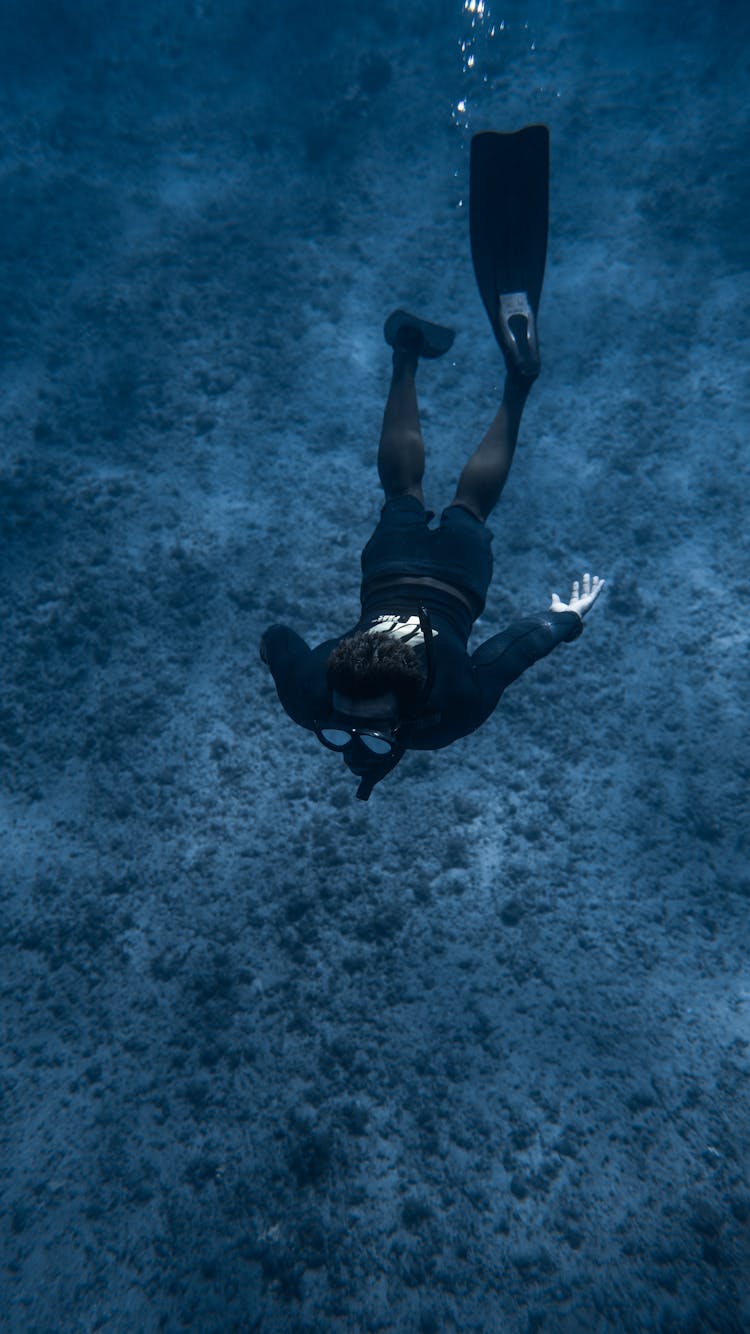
366, 735
367, 667
376, 683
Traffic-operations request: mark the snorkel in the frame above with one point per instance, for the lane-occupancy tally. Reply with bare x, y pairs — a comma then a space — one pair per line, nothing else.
425, 625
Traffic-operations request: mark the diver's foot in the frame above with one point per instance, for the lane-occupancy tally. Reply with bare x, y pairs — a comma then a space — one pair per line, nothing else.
516, 334
408, 333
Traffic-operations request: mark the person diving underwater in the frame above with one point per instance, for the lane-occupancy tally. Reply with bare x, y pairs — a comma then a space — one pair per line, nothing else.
402, 678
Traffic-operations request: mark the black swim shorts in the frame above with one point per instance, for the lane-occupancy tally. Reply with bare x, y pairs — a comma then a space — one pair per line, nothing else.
457, 552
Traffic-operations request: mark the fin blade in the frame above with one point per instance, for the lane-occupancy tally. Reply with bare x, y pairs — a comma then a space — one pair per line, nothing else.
509, 214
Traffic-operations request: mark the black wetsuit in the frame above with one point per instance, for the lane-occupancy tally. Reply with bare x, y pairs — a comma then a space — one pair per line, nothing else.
456, 561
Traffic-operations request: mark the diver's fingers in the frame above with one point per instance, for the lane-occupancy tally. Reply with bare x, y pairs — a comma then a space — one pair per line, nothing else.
589, 596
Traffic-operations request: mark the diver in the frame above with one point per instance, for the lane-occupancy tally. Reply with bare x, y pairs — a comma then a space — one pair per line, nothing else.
402, 678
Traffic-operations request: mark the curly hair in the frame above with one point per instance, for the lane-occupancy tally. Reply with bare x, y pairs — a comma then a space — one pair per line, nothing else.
367, 665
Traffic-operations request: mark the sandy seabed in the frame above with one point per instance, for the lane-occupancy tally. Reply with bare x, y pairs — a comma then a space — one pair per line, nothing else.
474, 1056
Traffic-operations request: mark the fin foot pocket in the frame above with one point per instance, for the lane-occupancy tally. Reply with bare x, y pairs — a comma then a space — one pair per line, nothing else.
516, 332
414, 334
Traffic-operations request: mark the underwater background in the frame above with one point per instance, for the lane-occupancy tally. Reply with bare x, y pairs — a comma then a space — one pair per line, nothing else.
475, 1055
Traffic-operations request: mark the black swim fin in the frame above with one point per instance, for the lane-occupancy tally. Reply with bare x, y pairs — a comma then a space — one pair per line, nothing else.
409, 331
508, 216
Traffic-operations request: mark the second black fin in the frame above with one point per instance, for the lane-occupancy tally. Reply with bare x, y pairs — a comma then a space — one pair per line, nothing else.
509, 218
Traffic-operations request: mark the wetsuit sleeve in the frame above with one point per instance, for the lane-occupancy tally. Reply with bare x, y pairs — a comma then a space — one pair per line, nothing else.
298, 673
502, 659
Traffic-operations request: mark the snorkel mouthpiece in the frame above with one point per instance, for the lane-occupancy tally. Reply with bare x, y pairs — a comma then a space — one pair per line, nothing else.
376, 773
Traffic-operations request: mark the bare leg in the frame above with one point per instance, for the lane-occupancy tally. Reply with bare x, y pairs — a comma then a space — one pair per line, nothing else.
483, 478
401, 451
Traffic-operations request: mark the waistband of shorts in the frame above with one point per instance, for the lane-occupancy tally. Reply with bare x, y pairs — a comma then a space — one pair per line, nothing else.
419, 580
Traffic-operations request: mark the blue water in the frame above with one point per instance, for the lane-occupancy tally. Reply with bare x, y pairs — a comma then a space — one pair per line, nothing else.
475, 1055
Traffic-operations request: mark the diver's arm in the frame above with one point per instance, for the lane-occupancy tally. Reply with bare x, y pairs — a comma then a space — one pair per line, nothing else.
297, 670
502, 659
277, 644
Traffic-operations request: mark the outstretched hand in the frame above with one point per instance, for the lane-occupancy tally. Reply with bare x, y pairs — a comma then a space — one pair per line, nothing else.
582, 598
